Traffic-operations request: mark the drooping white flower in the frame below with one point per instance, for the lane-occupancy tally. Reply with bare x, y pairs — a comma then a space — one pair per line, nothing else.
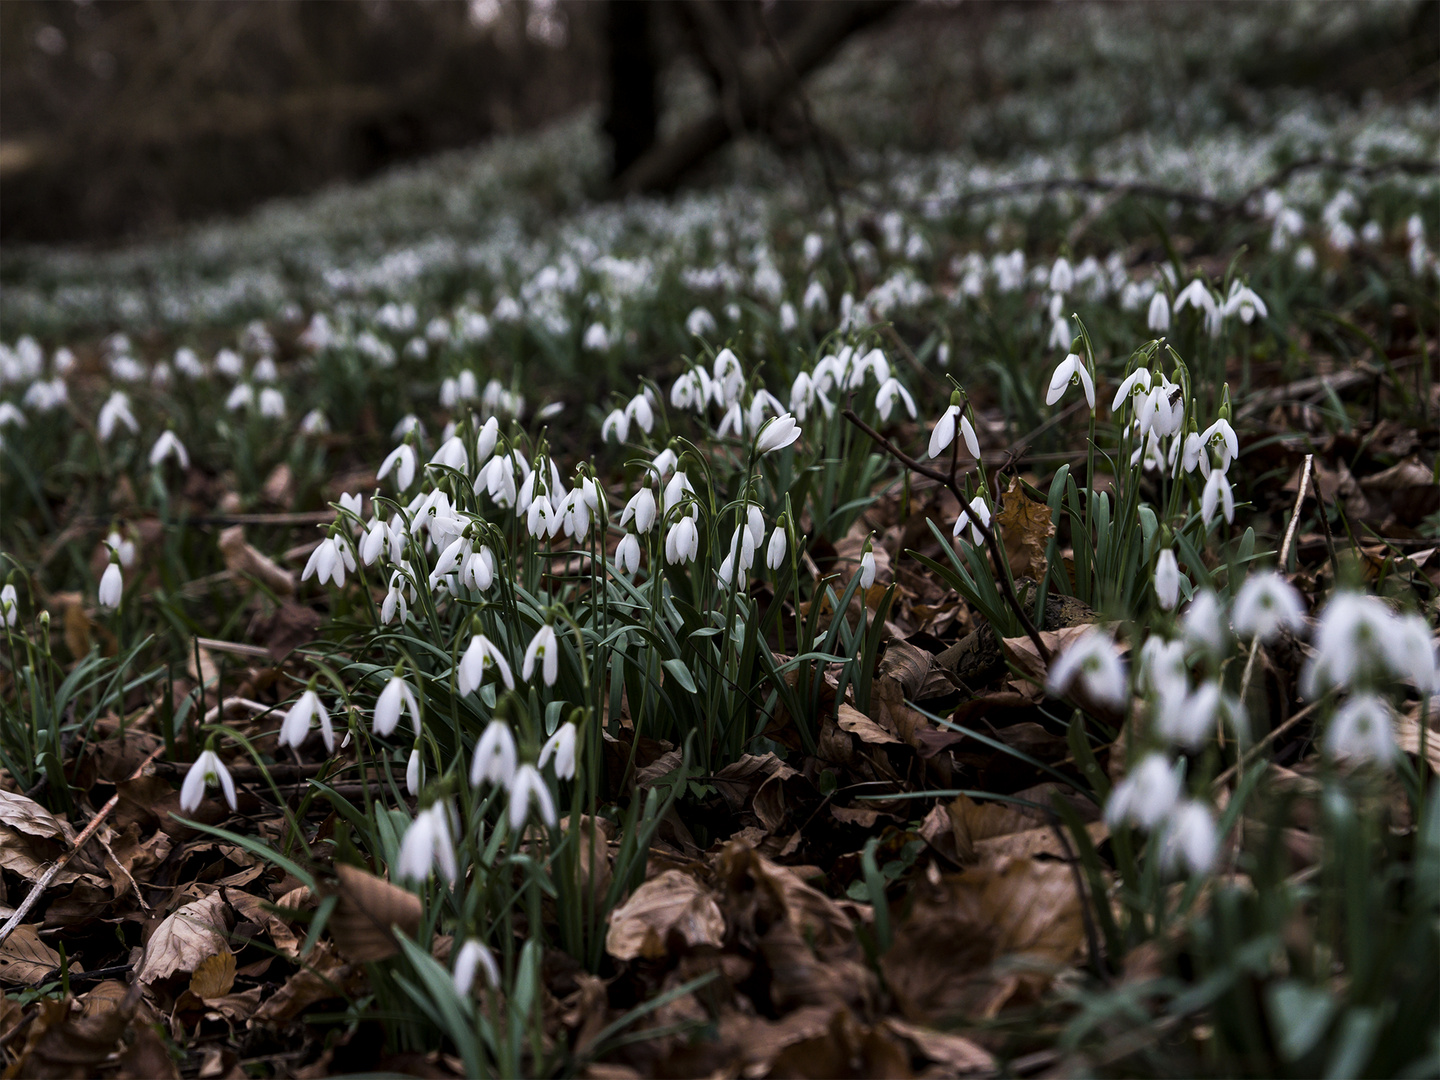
1265, 604
478, 570
1361, 731
396, 695
495, 756
452, 455
775, 552
778, 433
414, 772
208, 769
296, 726
115, 411
1070, 371
1167, 580
9, 605
1244, 302
627, 554
330, 560
1157, 318
1163, 670
885, 397
1198, 296
473, 956
562, 746
1147, 796
867, 569
1222, 438
402, 460
973, 516
167, 445
426, 842
682, 542
1136, 385
1414, 659
530, 787
1202, 624
1189, 838
1091, 660
545, 648
616, 424
481, 655
1217, 493
1062, 276
676, 490
112, 586
1189, 721
1358, 640
640, 508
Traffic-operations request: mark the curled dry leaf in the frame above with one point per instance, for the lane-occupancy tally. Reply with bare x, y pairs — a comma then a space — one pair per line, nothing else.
214, 976
1026, 528
978, 940
672, 904
857, 723
60, 1045
325, 976
367, 908
186, 939
26, 816
956, 1053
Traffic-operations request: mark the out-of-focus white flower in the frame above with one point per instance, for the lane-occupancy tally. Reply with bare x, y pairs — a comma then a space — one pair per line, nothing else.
272, 403
481, 655
123, 547
1358, 640
596, 339
1167, 580
1202, 624
495, 756
1147, 796
208, 769
472, 957
788, 319
414, 772
1062, 276
1217, 492
1361, 731
1070, 371
1188, 722
1265, 604
777, 434
530, 787
1091, 659
112, 586
1244, 302
167, 445
115, 411
545, 648
296, 726
1414, 658
1198, 296
1157, 318
1163, 670
1189, 838
700, 323
426, 842
562, 746
885, 397
388, 705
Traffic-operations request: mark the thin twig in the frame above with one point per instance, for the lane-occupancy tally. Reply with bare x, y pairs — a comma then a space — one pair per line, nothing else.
80, 841
988, 534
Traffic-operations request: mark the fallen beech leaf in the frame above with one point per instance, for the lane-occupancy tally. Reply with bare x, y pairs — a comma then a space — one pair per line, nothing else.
244, 560
188, 937
63, 1046
146, 1058
1041, 841
27, 816
857, 723
978, 940
955, 1052
367, 908
25, 960
844, 1049
214, 976
1026, 529
673, 903
972, 822
103, 997
326, 976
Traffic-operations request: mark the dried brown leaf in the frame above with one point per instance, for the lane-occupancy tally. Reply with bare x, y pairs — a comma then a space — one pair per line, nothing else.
857, 723
25, 960
186, 939
214, 976
673, 907
367, 908
1026, 528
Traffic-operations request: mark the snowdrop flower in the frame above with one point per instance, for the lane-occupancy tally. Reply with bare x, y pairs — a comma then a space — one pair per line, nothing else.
627, 554
397, 693
394, 601
788, 319
414, 772
1157, 319
1188, 722
562, 745
329, 561
682, 542
641, 411
1189, 838
112, 586
480, 656
541, 520
474, 956
700, 323
1305, 259
494, 756
778, 433
1265, 604
885, 397
1221, 436
427, 841
9, 605
1361, 731
208, 769
272, 403
975, 515
545, 648
867, 568
123, 547
1198, 296
452, 455
1092, 660
616, 424
816, 299
116, 410
485, 441
1217, 492
296, 725
10, 414
1070, 371
1202, 625
167, 445
478, 571
775, 552
1167, 580
1163, 670
314, 422
1245, 303
402, 460
943, 433
1357, 639
373, 542
1136, 385
529, 787
1414, 659
1062, 277
676, 490
1147, 796
596, 339
640, 509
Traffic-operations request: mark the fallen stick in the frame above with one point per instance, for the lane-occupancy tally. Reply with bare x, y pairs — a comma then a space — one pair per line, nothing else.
80, 841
